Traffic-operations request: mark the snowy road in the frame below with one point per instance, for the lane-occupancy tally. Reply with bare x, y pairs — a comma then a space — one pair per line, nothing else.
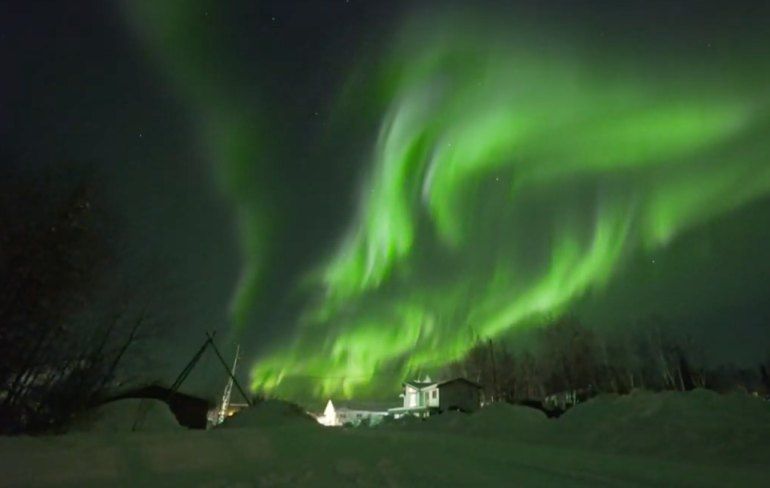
299, 456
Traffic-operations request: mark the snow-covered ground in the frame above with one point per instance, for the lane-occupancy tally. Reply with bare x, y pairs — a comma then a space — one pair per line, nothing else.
669, 439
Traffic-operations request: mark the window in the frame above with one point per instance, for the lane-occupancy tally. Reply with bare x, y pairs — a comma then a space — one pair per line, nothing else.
434, 394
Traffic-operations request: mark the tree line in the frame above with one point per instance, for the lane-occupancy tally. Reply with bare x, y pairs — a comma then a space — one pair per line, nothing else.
568, 357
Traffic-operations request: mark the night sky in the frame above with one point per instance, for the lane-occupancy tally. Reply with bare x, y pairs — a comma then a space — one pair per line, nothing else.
351, 187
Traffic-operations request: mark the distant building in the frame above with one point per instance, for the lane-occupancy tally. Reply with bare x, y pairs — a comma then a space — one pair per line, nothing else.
352, 413
561, 400
421, 398
564, 400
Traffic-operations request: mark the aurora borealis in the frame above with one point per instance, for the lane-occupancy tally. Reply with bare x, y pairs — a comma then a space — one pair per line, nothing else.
514, 168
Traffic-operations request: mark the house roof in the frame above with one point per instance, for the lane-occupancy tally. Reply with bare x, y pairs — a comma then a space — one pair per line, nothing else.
464, 380
190, 411
418, 384
421, 384
421, 408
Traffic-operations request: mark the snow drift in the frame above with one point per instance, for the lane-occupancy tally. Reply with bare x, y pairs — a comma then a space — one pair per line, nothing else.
270, 413
644, 439
699, 424
692, 426
143, 415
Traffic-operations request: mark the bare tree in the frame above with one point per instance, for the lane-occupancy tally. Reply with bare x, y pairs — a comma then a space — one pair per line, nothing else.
54, 357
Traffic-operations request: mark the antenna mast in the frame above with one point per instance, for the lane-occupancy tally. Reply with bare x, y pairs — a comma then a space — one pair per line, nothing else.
228, 389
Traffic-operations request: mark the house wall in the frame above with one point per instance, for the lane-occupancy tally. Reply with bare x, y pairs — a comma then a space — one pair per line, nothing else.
432, 397
458, 395
411, 397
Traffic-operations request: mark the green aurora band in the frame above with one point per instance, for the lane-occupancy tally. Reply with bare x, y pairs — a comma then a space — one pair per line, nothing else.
188, 45
507, 179
511, 174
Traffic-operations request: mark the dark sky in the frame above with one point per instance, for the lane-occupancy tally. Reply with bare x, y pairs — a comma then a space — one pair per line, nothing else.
79, 86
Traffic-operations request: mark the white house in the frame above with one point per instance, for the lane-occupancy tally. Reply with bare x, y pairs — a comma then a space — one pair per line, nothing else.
421, 398
349, 413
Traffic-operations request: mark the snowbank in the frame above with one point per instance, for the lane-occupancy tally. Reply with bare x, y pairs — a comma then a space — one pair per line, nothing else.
499, 420
269, 413
510, 421
699, 424
404, 423
644, 439
452, 420
696, 426
137, 415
